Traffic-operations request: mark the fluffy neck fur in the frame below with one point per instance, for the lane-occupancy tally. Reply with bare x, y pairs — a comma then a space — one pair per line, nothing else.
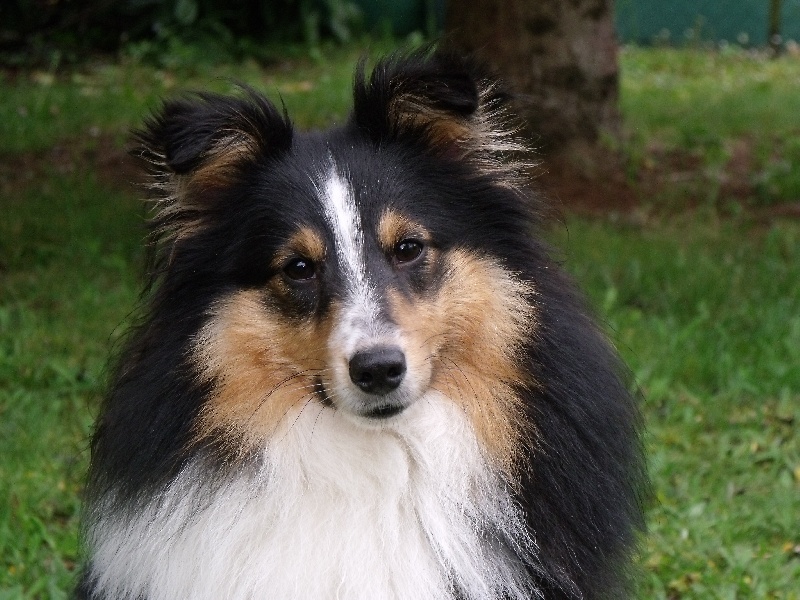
408, 510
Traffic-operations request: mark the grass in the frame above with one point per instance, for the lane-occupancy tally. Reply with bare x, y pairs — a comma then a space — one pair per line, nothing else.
67, 252
707, 315
733, 114
706, 310
40, 109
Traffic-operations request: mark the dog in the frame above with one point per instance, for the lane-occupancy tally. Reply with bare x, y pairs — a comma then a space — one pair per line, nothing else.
360, 373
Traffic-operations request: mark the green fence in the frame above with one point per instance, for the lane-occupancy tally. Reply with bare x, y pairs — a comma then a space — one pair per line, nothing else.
677, 22
744, 22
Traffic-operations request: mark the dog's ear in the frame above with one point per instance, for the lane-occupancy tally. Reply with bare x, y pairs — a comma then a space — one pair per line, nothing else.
195, 147
201, 139
443, 101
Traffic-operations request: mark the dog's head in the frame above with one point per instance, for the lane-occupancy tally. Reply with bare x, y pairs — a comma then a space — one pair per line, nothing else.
359, 268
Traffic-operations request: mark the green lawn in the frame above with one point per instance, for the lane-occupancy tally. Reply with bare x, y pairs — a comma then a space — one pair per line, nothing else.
707, 314
705, 309
733, 114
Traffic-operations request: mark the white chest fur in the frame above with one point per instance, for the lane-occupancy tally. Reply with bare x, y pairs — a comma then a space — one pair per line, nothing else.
338, 510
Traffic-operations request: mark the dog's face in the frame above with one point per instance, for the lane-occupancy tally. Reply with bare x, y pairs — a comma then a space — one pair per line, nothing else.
356, 270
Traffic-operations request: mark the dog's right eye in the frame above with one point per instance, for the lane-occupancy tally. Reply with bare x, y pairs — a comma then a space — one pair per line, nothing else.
406, 251
300, 269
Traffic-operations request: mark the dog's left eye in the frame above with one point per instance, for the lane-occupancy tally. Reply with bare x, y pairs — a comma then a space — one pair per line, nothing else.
407, 250
300, 269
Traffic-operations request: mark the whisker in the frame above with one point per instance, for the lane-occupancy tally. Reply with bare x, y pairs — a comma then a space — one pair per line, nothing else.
314, 426
297, 418
466, 377
428, 339
448, 379
277, 387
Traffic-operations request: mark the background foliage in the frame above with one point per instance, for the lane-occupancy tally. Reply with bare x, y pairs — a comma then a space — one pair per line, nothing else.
51, 32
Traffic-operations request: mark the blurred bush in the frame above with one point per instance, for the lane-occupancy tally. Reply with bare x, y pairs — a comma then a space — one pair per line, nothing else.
49, 33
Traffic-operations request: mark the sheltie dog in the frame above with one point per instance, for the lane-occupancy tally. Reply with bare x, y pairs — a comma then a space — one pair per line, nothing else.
360, 373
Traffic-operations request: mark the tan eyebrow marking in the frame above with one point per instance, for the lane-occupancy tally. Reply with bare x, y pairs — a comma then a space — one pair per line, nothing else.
394, 227
304, 242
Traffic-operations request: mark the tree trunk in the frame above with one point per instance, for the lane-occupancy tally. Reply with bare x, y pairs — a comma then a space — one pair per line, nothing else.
560, 56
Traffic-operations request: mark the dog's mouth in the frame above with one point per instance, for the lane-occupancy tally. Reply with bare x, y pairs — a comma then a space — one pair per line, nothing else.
384, 411
380, 411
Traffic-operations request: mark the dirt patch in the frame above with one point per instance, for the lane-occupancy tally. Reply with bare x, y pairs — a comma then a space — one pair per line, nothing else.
571, 189
737, 176
663, 181
111, 164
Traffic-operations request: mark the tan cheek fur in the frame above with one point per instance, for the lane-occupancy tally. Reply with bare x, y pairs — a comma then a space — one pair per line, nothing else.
260, 365
472, 332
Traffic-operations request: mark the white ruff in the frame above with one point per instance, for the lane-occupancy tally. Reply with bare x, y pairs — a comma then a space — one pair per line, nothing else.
338, 510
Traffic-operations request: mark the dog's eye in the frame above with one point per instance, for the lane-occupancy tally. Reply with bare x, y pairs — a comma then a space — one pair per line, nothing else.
407, 250
300, 269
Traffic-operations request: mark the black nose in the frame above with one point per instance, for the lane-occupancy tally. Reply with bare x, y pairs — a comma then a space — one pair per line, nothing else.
378, 370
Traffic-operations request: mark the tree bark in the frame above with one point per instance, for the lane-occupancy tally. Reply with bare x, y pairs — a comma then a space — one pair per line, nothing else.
559, 56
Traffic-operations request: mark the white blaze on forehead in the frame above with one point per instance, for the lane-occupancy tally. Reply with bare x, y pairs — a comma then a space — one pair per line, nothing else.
360, 323
345, 222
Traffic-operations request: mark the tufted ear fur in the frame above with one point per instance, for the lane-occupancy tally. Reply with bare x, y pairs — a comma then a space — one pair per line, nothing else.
196, 145
443, 101
205, 132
